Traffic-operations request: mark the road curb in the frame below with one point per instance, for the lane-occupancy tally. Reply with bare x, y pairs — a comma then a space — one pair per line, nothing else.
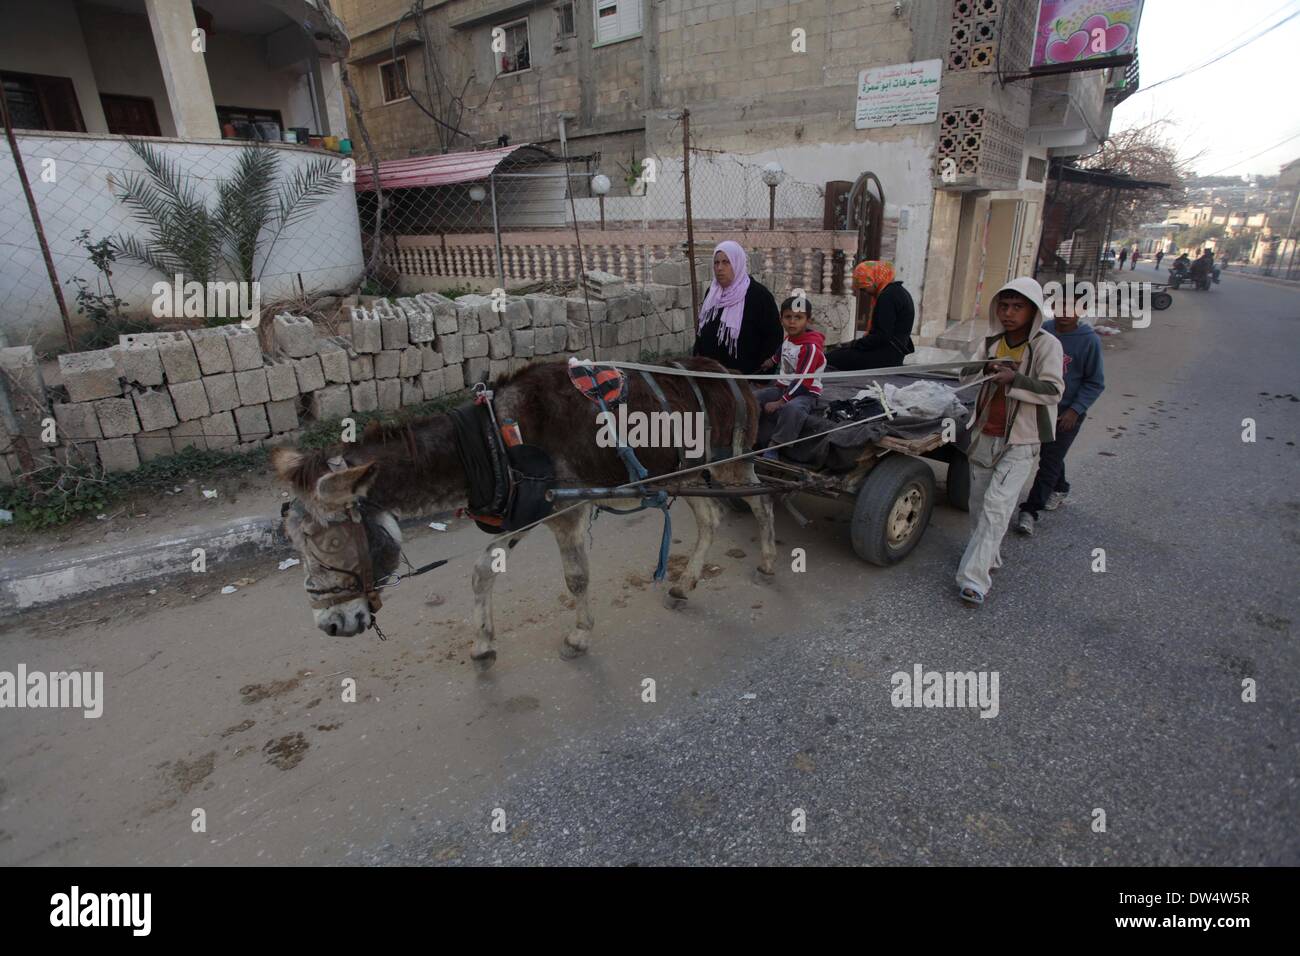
35, 582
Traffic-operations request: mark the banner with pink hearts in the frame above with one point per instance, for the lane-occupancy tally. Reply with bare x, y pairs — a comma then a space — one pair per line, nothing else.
1076, 31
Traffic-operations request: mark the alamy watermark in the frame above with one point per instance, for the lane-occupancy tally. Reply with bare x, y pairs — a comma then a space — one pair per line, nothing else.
82, 690
75, 908
1101, 300
683, 430
179, 299
923, 688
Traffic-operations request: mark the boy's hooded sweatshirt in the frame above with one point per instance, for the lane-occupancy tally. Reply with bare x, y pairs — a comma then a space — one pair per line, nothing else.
1084, 377
803, 356
1039, 380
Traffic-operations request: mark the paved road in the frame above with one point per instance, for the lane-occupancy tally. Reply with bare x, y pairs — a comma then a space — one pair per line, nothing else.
1119, 691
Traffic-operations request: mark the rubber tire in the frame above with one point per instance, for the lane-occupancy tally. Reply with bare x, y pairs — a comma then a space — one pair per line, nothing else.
1161, 301
884, 485
957, 484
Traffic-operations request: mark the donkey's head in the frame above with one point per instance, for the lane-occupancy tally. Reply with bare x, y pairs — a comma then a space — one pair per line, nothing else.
349, 547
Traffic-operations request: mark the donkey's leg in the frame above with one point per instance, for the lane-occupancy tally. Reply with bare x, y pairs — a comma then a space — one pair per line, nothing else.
568, 528
742, 473
483, 654
707, 518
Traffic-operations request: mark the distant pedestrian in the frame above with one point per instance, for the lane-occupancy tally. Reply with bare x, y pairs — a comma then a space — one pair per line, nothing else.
1084, 381
1136, 256
1123, 258
1160, 254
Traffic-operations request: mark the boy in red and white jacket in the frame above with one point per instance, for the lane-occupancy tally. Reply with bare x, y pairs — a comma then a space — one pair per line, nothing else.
802, 358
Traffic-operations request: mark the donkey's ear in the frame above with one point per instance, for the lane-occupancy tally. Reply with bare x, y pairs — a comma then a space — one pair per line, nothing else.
286, 463
339, 488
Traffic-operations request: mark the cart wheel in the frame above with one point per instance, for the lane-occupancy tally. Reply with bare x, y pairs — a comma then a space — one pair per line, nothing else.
892, 510
958, 481
1161, 301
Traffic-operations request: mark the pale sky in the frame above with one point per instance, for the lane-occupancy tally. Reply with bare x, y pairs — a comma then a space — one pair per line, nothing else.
1243, 105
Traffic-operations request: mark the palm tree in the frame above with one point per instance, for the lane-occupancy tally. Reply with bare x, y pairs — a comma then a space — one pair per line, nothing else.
186, 237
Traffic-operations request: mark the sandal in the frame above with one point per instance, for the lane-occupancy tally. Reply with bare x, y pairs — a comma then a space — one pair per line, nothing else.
972, 597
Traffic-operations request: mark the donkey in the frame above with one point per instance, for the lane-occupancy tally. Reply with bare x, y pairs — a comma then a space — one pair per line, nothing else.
343, 519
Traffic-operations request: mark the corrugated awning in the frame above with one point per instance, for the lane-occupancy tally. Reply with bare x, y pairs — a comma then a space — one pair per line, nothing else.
445, 169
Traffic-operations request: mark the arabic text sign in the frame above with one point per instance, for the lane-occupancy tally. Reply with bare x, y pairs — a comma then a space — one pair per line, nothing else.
1075, 31
898, 95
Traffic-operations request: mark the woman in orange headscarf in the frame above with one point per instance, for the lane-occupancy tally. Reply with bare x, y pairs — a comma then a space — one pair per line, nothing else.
890, 314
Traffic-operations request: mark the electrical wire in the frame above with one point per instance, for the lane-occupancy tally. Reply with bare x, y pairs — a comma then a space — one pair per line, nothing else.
1179, 76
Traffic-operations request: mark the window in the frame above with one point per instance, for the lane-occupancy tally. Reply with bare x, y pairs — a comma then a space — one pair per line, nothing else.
617, 20
43, 102
514, 58
566, 25
242, 122
393, 77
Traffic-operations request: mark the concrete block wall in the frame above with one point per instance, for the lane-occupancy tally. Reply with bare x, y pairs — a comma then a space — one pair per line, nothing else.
156, 394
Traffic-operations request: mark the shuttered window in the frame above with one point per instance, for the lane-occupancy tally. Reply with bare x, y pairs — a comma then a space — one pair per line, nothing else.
617, 19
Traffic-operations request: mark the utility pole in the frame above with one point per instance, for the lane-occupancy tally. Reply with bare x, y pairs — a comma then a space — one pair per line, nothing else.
690, 227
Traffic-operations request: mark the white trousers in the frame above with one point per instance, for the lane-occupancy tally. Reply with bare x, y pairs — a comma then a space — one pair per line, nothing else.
994, 492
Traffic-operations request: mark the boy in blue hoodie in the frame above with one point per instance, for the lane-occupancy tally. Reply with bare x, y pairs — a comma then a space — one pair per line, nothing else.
1084, 381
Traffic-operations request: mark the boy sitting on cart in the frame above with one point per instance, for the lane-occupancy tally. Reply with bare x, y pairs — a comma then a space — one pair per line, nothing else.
786, 405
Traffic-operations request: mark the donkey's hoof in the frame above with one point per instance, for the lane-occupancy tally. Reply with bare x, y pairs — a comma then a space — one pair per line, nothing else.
571, 651
762, 577
675, 600
483, 662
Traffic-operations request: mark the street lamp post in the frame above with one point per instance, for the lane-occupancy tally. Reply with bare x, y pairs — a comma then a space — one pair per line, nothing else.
772, 175
600, 186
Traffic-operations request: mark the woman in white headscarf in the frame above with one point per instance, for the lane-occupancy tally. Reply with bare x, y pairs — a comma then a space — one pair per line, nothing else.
739, 324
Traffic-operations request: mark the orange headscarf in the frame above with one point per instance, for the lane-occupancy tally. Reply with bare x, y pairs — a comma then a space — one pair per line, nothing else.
871, 277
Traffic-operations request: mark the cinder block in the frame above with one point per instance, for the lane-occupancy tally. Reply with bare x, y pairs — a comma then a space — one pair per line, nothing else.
310, 374
154, 408
252, 386
89, 376
118, 454
190, 400
432, 383
367, 334
522, 342
116, 417
453, 378
281, 378
677, 320
469, 315
430, 359
631, 330
388, 363
334, 362
138, 360
153, 444
579, 340
607, 337
244, 447
245, 349
477, 370
219, 430
332, 401
180, 364
445, 318
365, 397
662, 297
394, 330
188, 435
675, 272
452, 348
223, 393
499, 344
475, 346
76, 421
251, 422
620, 307
210, 345
576, 308
517, 314
412, 363
361, 367
497, 368
419, 320
388, 393
283, 416
412, 392
295, 335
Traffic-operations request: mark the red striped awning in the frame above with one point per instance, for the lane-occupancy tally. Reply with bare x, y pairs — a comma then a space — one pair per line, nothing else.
445, 169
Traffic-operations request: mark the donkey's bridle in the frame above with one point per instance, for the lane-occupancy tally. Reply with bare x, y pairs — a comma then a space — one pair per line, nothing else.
364, 584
